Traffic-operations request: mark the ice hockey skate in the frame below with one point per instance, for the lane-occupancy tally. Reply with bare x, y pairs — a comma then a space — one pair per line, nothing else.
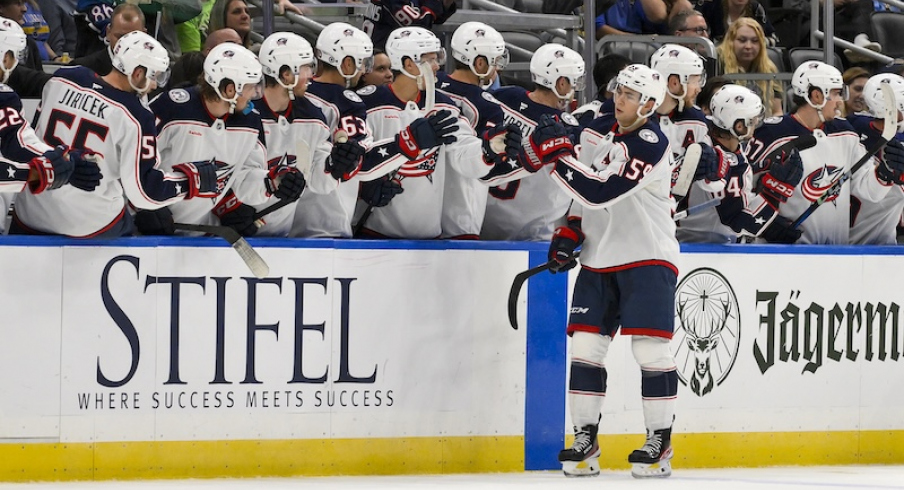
583, 457
653, 459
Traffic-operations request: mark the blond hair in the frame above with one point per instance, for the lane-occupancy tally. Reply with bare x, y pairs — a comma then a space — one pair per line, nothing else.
760, 64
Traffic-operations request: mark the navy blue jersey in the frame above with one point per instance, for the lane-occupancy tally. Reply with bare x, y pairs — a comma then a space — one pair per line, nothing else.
18, 142
384, 16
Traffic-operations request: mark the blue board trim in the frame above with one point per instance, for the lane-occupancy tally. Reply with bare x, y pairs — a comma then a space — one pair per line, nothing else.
544, 404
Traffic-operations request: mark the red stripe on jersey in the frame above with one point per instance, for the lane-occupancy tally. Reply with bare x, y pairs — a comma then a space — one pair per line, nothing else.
631, 265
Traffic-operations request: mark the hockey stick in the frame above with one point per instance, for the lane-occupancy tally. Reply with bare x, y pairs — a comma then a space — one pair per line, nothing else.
890, 124
696, 208
429, 81
688, 168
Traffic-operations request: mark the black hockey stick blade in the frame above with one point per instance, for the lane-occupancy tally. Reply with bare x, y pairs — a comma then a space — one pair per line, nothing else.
518, 283
255, 263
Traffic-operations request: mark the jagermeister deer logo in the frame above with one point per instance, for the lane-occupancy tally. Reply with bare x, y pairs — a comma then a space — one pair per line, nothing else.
707, 330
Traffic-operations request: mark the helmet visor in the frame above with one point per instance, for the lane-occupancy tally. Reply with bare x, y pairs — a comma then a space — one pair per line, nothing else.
501, 61
839, 93
367, 64
160, 77
578, 83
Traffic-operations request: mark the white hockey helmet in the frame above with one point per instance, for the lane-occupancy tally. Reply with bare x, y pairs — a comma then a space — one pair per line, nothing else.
873, 95
732, 104
816, 74
340, 40
138, 49
673, 59
12, 39
552, 61
649, 83
287, 49
474, 39
229, 61
414, 43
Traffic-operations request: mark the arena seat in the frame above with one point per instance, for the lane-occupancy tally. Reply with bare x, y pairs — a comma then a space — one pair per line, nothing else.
797, 56
888, 30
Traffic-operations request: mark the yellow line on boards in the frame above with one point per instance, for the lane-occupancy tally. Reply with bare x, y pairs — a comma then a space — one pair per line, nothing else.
421, 455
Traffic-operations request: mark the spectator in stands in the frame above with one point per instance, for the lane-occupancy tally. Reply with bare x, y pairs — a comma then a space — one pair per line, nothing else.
706, 94
384, 16
604, 70
851, 17
125, 19
633, 17
91, 20
36, 27
689, 22
744, 51
855, 78
721, 14
190, 66
15, 10
233, 14
62, 29
381, 74
191, 32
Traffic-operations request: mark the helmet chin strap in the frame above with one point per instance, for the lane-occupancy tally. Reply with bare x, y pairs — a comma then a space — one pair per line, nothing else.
141, 90
680, 98
289, 88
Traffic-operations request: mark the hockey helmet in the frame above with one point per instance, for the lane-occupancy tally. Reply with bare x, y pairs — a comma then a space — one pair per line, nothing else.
414, 43
673, 59
286, 49
649, 83
137, 49
733, 104
873, 95
474, 39
816, 74
340, 40
12, 39
552, 61
234, 63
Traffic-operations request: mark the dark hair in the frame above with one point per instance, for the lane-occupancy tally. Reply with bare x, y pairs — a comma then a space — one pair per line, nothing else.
606, 68
679, 20
712, 86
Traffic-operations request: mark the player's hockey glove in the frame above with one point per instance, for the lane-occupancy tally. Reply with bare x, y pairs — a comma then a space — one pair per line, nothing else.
236, 215
713, 165
49, 171
155, 222
202, 178
86, 175
783, 173
891, 166
345, 160
428, 132
379, 192
548, 143
502, 144
284, 182
564, 242
780, 231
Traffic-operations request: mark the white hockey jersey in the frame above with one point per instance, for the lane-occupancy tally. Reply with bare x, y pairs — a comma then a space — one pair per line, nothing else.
874, 223
837, 148
524, 206
416, 213
300, 129
465, 198
621, 188
330, 214
188, 133
18, 143
80, 110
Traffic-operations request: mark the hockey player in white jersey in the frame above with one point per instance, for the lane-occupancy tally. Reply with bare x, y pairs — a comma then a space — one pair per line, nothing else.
622, 217
682, 122
105, 115
215, 121
875, 223
25, 160
420, 143
344, 55
819, 93
295, 129
743, 210
525, 206
479, 52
